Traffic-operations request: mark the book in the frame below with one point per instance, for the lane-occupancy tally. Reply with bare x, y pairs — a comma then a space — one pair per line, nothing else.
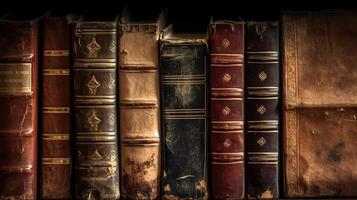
320, 104
18, 107
227, 109
95, 110
184, 90
139, 107
55, 151
262, 109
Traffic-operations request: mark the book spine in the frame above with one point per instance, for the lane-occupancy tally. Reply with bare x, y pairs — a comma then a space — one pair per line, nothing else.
18, 109
95, 111
262, 109
140, 111
227, 109
56, 163
184, 119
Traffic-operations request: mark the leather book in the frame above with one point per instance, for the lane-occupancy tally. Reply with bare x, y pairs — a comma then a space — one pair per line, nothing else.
56, 159
18, 108
227, 109
139, 107
320, 103
184, 88
95, 110
262, 109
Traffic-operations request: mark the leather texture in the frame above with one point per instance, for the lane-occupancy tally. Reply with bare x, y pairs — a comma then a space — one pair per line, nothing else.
139, 108
262, 109
185, 117
18, 109
95, 110
227, 109
56, 159
320, 87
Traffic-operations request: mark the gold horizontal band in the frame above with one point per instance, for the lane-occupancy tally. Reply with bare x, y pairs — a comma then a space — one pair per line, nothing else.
263, 131
226, 65
236, 153
262, 52
56, 53
56, 161
228, 122
263, 153
263, 121
96, 138
263, 62
235, 131
56, 110
262, 97
223, 99
55, 137
265, 87
91, 143
94, 33
56, 72
228, 89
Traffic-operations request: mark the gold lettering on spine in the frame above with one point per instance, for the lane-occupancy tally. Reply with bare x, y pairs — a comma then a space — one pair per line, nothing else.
56, 161
56, 52
15, 77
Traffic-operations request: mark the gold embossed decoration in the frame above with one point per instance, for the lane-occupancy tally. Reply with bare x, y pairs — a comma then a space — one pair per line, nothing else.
93, 85
262, 76
96, 155
261, 141
227, 143
261, 109
226, 110
94, 120
112, 47
226, 77
111, 84
93, 48
225, 43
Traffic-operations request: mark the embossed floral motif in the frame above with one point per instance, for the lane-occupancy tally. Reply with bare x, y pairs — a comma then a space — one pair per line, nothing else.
227, 143
226, 77
94, 120
261, 141
225, 43
261, 109
226, 110
93, 48
95, 155
262, 76
93, 85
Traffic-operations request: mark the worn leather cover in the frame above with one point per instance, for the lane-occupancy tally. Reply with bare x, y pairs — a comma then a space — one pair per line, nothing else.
262, 109
139, 108
185, 117
227, 109
320, 87
18, 109
95, 111
56, 161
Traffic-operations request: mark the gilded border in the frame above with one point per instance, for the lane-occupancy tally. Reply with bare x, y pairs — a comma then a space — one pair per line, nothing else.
291, 159
290, 61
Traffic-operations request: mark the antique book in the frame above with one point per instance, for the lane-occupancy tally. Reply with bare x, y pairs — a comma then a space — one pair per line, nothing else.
320, 103
183, 80
262, 109
95, 110
55, 155
18, 108
139, 107
227, 109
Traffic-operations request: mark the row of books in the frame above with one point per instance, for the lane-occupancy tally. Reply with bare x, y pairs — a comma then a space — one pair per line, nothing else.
132, 110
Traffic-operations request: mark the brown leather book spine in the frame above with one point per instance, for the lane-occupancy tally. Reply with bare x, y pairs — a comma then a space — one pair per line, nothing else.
262, 109
227, 109
18, 109
95, 110
56, 164
139, 109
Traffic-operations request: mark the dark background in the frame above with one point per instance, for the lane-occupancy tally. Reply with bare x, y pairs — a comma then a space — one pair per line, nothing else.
186, 15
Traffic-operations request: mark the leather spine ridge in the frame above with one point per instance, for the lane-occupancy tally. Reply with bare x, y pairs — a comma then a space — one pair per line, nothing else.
95, 109
227, 109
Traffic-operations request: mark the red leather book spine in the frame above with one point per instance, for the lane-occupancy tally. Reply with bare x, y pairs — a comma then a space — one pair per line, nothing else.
18, 109
55, 173
227, 109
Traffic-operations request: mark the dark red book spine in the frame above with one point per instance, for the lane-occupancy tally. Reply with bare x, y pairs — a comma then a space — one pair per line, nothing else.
227, 109
55, 173
18, 109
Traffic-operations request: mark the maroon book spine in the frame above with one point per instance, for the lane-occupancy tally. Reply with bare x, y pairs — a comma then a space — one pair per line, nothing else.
55, 174
227, 109
18, 109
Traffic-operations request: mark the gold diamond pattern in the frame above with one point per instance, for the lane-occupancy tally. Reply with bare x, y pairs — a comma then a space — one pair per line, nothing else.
227, 143
94, 120
93, 48
226, 77
262, 141
261, 109
262, 76
95, 155
92, 85
225, 43
226, 110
